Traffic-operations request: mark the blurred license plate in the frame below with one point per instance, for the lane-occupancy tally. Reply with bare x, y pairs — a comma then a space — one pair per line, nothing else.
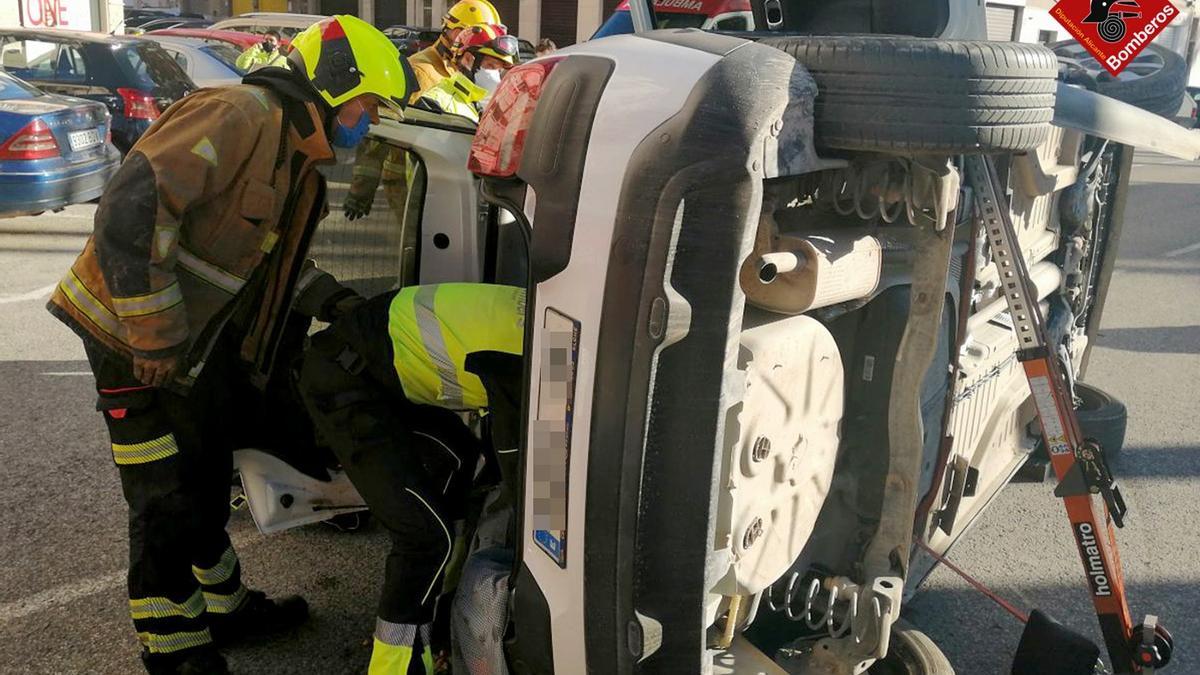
550, 438
82, 140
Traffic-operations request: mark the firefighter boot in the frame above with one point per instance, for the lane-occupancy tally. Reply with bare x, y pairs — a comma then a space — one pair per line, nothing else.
258, 615
200, 661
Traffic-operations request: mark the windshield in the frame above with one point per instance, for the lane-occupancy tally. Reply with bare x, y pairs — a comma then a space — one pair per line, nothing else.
621, 23
226, 54
152, 69
11, 88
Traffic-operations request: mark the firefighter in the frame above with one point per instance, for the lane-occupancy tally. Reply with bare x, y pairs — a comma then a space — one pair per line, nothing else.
180, 295
263, 54
481, 55
433, 64
383, 385
376, 161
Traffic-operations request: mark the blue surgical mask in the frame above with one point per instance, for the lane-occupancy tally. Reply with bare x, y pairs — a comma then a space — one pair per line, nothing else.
348, 137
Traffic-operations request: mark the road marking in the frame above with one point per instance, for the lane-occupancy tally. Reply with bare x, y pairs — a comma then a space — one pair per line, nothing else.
1182, 251
81, 372
31, 295
65, 594
58, 596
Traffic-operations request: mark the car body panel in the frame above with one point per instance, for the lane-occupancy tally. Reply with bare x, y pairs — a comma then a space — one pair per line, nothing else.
208, 65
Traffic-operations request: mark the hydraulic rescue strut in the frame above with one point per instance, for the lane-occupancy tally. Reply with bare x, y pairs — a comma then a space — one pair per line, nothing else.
1086, 485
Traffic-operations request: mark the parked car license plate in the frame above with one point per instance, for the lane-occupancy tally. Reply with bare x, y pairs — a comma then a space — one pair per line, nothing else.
82, 140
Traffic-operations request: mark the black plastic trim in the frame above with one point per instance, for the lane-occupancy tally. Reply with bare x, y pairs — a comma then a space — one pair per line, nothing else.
529, 646
555, 152
650, 490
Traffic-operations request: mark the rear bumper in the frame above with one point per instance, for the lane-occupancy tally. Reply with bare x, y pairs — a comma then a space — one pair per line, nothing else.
24, 192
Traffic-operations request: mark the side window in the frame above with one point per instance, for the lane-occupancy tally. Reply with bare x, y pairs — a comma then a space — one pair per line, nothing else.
70, 66
377, 246
31, 59
181, 60
732, 22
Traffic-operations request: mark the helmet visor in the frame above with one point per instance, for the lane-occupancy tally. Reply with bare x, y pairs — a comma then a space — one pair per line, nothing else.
506, 45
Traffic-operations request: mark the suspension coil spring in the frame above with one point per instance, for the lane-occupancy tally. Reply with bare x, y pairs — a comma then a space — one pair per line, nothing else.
822, 614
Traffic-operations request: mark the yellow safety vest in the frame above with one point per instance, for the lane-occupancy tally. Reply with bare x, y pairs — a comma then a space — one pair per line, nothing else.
433, 329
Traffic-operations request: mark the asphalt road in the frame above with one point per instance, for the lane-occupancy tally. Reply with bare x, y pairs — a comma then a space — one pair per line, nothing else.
62, 549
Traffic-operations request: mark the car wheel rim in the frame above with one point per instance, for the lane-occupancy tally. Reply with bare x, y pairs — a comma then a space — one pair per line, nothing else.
1144, 65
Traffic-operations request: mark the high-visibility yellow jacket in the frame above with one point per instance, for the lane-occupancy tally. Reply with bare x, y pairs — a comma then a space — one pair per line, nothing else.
434, 328
455, 95
257, 57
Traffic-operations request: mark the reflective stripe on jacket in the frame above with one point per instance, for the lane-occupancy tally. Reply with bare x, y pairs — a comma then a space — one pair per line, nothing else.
196, 207
433, 328
456, 95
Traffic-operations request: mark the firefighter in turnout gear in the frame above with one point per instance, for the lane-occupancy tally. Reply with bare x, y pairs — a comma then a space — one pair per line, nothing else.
481, 56
376, 161
383, 385
180, 296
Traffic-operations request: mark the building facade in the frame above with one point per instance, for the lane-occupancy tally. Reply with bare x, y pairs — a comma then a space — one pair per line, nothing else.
564, 21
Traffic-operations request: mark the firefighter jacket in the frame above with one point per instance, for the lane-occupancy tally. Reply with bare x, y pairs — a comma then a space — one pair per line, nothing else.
208, 219
434, 328
431, 66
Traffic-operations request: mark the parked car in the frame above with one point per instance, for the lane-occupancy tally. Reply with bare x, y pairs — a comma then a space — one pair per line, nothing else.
137, 17
771, 363
411, 39
134, 78
287, 24
54, 150
207, 64
239, 40
174, 22
720, 15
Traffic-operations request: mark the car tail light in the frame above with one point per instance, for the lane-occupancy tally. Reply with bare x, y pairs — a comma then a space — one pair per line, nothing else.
33, 141
138, 104
500, 137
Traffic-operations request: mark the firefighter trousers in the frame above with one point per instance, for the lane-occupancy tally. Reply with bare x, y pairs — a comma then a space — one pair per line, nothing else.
412, 464
174, 457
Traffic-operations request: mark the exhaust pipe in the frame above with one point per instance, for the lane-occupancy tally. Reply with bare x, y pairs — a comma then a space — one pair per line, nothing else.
771, 265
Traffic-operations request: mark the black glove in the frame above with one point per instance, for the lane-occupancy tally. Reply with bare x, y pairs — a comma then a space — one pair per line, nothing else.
356, 207
340, 304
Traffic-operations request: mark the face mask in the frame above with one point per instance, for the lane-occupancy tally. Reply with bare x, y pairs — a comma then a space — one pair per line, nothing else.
268, 47
487, 79
348, 137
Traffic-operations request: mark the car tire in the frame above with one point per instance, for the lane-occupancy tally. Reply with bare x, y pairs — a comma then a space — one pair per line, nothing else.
1102, 418
911, 652
917, 95
1160, 92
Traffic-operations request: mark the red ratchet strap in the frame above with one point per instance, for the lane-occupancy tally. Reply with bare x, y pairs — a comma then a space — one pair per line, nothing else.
124, 390
992, 595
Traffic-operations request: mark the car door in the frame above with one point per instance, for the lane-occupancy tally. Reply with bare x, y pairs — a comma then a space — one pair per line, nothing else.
435, 231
